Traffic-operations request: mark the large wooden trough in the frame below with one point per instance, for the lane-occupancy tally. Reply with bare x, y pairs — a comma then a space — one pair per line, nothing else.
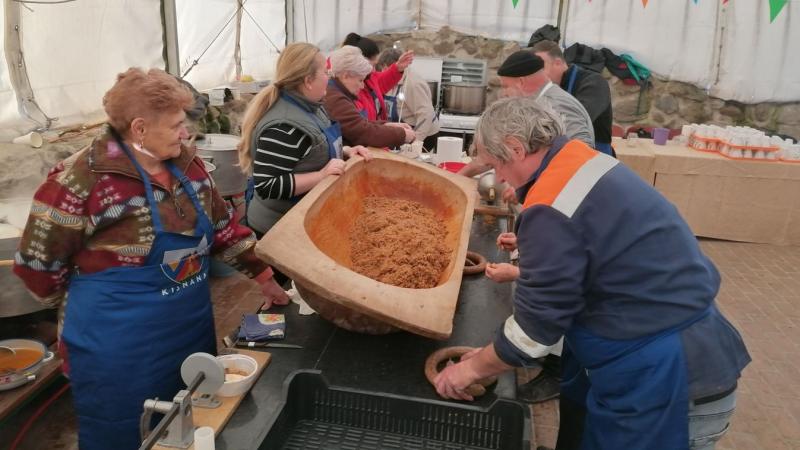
311, 244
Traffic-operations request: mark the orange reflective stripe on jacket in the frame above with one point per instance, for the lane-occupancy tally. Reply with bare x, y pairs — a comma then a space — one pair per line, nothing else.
569, 177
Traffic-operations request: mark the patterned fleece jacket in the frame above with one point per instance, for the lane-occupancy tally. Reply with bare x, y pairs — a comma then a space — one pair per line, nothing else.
91, 214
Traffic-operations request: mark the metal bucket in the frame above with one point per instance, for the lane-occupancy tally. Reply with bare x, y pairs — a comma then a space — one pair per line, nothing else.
464, 98
220, 150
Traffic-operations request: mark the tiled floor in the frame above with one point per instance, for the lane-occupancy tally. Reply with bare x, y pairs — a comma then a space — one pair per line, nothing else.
760, 295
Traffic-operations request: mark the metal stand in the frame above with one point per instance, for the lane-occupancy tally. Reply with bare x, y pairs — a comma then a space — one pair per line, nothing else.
176, 428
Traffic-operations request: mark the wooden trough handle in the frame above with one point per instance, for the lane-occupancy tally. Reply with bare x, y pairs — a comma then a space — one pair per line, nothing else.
6, 262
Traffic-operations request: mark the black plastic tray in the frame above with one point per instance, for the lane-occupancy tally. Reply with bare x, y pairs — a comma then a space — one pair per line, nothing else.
317, 416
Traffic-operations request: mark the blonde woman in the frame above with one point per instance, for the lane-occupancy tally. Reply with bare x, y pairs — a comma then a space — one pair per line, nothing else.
288, 139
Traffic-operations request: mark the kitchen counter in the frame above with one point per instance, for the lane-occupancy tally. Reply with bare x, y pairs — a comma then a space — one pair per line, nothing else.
390, 363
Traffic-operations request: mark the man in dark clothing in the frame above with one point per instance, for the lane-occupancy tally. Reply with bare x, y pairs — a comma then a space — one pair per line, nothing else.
590, 88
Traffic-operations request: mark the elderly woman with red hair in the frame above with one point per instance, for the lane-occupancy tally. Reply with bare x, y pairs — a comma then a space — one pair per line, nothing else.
119, 236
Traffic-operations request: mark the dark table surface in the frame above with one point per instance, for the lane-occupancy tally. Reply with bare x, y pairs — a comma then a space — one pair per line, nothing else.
390, 363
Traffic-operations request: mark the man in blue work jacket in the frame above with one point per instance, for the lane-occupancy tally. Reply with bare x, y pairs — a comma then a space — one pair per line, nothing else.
608, 264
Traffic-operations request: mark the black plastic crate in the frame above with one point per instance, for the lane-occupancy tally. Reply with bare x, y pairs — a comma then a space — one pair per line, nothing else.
317, 416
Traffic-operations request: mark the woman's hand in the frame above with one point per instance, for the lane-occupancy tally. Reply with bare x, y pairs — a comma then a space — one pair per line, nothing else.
405, 60
507, 241
501, 272
358, 150
273, 293
334, 167
410, 135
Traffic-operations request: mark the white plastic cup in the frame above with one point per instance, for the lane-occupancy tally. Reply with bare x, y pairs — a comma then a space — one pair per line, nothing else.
33, 139
204, 438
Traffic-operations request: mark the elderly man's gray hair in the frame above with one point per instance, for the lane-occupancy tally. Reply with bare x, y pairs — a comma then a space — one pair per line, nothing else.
532, 122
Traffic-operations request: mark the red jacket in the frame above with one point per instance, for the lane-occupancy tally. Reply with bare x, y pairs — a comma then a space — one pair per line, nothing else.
370, 99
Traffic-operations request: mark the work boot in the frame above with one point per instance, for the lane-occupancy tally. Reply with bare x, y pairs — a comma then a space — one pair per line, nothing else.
542, 388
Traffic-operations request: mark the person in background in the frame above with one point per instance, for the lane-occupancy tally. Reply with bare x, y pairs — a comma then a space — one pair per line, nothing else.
414, 106
649, 360
119, 237
349, 68
589, 87
288, 139
377, 83
522, 74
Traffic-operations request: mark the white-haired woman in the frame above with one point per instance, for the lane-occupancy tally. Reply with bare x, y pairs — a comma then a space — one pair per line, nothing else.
349, 68
607, 263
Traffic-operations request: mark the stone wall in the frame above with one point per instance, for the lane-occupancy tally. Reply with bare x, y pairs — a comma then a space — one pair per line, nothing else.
666, 103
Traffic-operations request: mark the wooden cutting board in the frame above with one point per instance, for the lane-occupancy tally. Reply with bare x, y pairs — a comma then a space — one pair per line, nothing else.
218, 417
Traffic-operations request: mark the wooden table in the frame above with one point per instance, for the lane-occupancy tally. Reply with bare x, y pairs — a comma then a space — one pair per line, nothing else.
12, 399
723, 198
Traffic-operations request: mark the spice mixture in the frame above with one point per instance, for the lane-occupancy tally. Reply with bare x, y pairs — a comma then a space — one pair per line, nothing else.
399, 242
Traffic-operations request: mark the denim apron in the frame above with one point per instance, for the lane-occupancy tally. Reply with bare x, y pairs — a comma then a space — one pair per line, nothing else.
573, 75
128, 329
333, 132
635, 391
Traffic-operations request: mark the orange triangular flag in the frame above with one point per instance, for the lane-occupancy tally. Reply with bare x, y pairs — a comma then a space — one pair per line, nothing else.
644, 2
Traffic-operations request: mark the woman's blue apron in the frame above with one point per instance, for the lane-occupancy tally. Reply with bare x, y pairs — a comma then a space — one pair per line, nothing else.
635, 391
128, 329
393, 105
604, 147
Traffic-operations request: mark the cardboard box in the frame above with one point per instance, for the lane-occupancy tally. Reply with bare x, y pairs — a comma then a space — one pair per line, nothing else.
639, 156
749, 201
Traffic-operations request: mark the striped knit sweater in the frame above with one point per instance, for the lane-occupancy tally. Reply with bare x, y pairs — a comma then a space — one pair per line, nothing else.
279, 150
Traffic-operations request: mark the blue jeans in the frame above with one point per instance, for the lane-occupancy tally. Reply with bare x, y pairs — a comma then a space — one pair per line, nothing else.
709, 421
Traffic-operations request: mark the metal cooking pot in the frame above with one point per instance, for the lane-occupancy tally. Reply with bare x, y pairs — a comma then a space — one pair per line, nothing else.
18, 377
220, 150
464, 98
434, 87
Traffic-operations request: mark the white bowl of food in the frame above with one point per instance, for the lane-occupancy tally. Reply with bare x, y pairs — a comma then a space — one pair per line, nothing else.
240, 374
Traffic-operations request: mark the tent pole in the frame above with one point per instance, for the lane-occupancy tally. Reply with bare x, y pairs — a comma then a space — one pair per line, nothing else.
289, 22
17, 70
237, 49
171, 37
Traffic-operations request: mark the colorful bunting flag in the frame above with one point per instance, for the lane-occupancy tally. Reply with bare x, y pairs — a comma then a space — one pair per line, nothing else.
775, 7
514, 2
644, 3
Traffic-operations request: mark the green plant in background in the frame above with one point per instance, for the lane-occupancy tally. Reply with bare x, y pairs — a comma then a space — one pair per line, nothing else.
214, 121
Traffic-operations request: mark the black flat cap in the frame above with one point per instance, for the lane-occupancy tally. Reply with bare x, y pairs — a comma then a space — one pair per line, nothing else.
521, 63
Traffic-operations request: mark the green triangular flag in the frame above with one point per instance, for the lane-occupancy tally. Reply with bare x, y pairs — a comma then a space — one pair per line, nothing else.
514, 2
775, 7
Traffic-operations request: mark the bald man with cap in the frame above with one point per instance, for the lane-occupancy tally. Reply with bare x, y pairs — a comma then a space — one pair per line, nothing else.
522, 75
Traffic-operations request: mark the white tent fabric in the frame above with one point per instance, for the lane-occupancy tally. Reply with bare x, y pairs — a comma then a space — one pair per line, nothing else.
325, 23
759, 60
213, 27
674, 39
8, 99
681, 40
497, 19
74, 51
